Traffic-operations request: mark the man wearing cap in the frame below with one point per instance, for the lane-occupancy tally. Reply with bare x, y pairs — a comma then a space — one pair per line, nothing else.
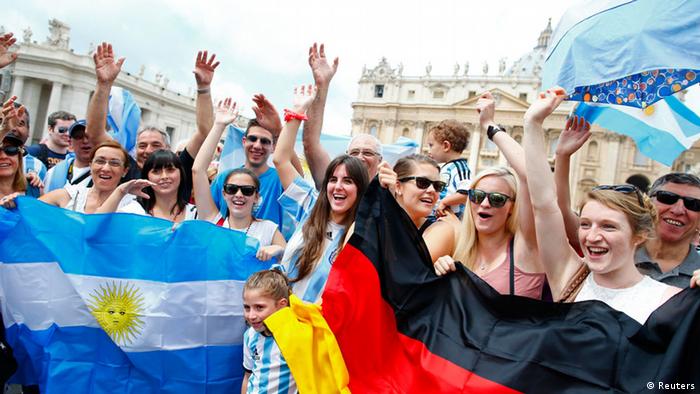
75, 169
56, 147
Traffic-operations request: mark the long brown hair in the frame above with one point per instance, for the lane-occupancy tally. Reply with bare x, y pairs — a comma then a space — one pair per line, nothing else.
314, 230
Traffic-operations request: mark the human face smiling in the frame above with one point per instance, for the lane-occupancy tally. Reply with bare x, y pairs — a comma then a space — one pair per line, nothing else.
365, 148
240, 205
258, 306
9, 164
341, 191
167, 180
676, 222
59, 138
258, 145
417, 202
107, 168
487, 218
148, 142
606, 238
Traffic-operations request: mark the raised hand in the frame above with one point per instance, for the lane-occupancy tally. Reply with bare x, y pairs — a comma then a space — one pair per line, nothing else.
321, 70
387, 176
267, 115
11, 115
545, 104
204, 68
486, 108
303, 97
574, 135
135, 187
106, 68
226, 112
7, 57
34, 180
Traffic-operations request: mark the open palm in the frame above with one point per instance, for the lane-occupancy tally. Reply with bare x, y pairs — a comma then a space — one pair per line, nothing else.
106, 68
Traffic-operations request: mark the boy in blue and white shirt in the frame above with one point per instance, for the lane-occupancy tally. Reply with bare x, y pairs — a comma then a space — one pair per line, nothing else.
266, 370
446, 142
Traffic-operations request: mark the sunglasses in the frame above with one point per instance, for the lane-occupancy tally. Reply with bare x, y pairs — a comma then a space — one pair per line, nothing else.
12, 150
424, 183
496, 199
627, 189
246, 190
670, 198
62, 129
255, 138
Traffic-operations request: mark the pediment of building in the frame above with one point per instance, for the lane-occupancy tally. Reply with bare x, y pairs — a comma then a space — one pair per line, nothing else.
504, 101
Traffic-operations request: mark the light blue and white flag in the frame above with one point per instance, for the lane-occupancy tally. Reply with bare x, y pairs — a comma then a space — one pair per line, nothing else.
625, 52
121, 303
662, 130
124, 117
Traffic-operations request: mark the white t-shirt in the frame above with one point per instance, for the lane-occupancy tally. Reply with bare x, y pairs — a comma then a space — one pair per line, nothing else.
78, 198
135, 207
260, 229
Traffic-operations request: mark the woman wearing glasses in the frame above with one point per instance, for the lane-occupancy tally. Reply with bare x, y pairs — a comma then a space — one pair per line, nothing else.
240, 192
323, 216
108, 165
12, 181
614, 221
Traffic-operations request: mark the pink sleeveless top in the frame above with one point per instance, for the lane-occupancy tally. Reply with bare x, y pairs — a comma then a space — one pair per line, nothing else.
526, 284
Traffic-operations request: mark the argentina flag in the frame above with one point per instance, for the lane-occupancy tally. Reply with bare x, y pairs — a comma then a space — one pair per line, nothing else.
124, 117
119, 303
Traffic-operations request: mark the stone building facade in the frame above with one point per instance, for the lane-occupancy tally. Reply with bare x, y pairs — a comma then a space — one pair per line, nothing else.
390, 105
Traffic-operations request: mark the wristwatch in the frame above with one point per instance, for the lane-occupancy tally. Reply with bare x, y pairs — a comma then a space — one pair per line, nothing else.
492, 130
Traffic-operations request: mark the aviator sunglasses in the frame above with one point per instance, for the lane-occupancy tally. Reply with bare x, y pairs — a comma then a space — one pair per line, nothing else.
496, 199
11, 150
670, 198
232, 188
627, 189
254, 138
424, 183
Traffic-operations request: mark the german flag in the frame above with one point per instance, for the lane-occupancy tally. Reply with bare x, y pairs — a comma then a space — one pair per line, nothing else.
402, 329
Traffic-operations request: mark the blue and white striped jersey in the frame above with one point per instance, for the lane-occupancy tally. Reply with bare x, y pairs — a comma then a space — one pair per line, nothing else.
298, 200
32, 164
269, 372
453, 173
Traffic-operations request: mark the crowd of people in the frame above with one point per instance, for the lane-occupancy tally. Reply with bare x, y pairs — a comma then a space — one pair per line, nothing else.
512, 226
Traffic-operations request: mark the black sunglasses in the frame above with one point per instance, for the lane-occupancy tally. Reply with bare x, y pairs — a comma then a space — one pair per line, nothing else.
496, 199
670, 198
255, 138
246, 190
424, 183
11, 150
62, 129
623, 189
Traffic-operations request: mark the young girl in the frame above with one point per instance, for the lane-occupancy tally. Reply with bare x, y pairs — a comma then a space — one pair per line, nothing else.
266, 370
614, 221
165, 195
324, 216
240, 191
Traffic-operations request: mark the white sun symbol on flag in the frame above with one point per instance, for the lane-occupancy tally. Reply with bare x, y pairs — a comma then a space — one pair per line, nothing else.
117, 309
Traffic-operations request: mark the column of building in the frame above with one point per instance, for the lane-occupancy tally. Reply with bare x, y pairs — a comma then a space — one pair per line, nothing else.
54, 104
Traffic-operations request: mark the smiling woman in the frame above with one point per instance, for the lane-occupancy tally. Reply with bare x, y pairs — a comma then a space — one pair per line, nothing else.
12, 181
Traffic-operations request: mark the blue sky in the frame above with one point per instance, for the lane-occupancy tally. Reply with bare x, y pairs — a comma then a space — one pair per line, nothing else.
263, 45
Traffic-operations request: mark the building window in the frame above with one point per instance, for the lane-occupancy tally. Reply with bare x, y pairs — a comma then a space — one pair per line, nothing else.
523, 96
373, 130
379, 91
411, 94
406, 132
518, 139
472, 93
592, 153
438, 94
170, 131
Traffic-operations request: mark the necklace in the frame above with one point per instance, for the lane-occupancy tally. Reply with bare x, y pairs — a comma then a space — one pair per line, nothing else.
483, 266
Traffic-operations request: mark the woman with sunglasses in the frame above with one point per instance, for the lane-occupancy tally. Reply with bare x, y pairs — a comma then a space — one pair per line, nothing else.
496, 239
614, 221
240, 192
108, 165
162, 192
323, 216
12, 180
416, 186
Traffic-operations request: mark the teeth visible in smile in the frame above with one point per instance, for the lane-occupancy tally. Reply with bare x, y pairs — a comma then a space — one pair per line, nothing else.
673, 222
105, 177
595, 250
4, 164
339, 196
239, 203
426, 200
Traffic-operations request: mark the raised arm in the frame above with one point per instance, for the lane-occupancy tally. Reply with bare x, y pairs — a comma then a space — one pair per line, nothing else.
134, 186
559, 260
204, 67
269, 119
106, 70
7, 57
10, 116
574, 135
316, 156
284, 151
515, 155
226, 112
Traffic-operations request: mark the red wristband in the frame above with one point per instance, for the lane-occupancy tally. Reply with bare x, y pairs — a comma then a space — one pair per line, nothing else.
289, 115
